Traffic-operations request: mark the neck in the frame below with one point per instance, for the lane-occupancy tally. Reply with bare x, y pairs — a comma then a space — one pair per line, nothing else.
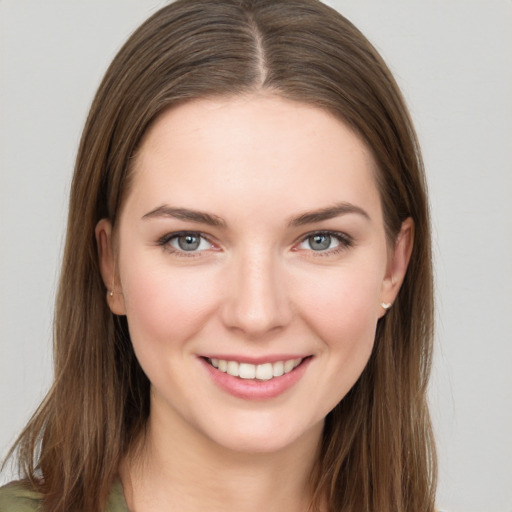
178, 469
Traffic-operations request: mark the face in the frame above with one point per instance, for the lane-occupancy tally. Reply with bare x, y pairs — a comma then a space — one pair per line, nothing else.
251, 263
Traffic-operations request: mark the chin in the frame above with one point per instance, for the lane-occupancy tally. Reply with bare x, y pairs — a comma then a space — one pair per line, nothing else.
256, 437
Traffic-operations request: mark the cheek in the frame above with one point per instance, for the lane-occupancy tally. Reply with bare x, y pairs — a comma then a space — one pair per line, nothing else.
344, 310
165, 305
343, 316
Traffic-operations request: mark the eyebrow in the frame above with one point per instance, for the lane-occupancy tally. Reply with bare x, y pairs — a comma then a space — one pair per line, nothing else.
213, 220
185, 214
327, 213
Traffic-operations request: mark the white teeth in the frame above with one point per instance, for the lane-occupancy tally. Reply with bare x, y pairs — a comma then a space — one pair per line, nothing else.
278, 369
264, 371
247, 371
232, 368
289, 365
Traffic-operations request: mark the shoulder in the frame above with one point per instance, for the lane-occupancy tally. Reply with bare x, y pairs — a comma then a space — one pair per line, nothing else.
116, 501
19, 497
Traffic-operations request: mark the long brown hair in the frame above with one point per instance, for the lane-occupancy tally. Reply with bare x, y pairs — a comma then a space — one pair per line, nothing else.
377, 452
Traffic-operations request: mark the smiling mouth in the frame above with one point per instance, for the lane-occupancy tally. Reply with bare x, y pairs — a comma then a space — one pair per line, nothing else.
248, 371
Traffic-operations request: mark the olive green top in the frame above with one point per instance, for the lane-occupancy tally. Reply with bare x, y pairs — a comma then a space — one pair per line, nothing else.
17, 497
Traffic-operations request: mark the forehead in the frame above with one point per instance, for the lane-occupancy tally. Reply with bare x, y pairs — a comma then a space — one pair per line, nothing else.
252, 150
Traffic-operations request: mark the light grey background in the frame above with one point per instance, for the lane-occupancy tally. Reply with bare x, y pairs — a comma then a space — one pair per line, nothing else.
453, 59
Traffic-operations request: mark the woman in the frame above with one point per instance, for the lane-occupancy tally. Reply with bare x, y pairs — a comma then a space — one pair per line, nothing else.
244, 318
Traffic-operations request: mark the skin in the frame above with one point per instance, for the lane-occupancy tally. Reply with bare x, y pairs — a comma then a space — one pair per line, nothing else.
255, 287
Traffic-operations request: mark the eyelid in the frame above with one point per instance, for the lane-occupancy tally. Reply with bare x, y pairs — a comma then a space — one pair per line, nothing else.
164, 240
345, 242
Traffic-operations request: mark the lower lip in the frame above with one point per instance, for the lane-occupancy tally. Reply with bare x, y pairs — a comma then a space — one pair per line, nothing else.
252, 389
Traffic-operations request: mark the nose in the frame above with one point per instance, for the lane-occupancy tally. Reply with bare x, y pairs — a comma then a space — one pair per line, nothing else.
257, 299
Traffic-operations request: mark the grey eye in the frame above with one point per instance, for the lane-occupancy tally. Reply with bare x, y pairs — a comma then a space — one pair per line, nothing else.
185, 242
319, 242
188, 242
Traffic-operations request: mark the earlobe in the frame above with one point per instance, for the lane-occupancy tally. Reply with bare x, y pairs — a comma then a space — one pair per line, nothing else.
108, 267
397, 264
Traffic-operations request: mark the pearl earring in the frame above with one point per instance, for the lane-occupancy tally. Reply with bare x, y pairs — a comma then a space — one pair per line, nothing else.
386, 305
111, 292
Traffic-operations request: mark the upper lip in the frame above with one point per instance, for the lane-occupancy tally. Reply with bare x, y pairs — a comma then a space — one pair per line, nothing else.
271, 358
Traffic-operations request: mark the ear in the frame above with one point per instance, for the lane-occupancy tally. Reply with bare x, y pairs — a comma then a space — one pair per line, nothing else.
398, 261
108, 267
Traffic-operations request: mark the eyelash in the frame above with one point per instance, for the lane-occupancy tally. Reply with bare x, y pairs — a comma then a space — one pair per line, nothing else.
345, 242
165, 240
